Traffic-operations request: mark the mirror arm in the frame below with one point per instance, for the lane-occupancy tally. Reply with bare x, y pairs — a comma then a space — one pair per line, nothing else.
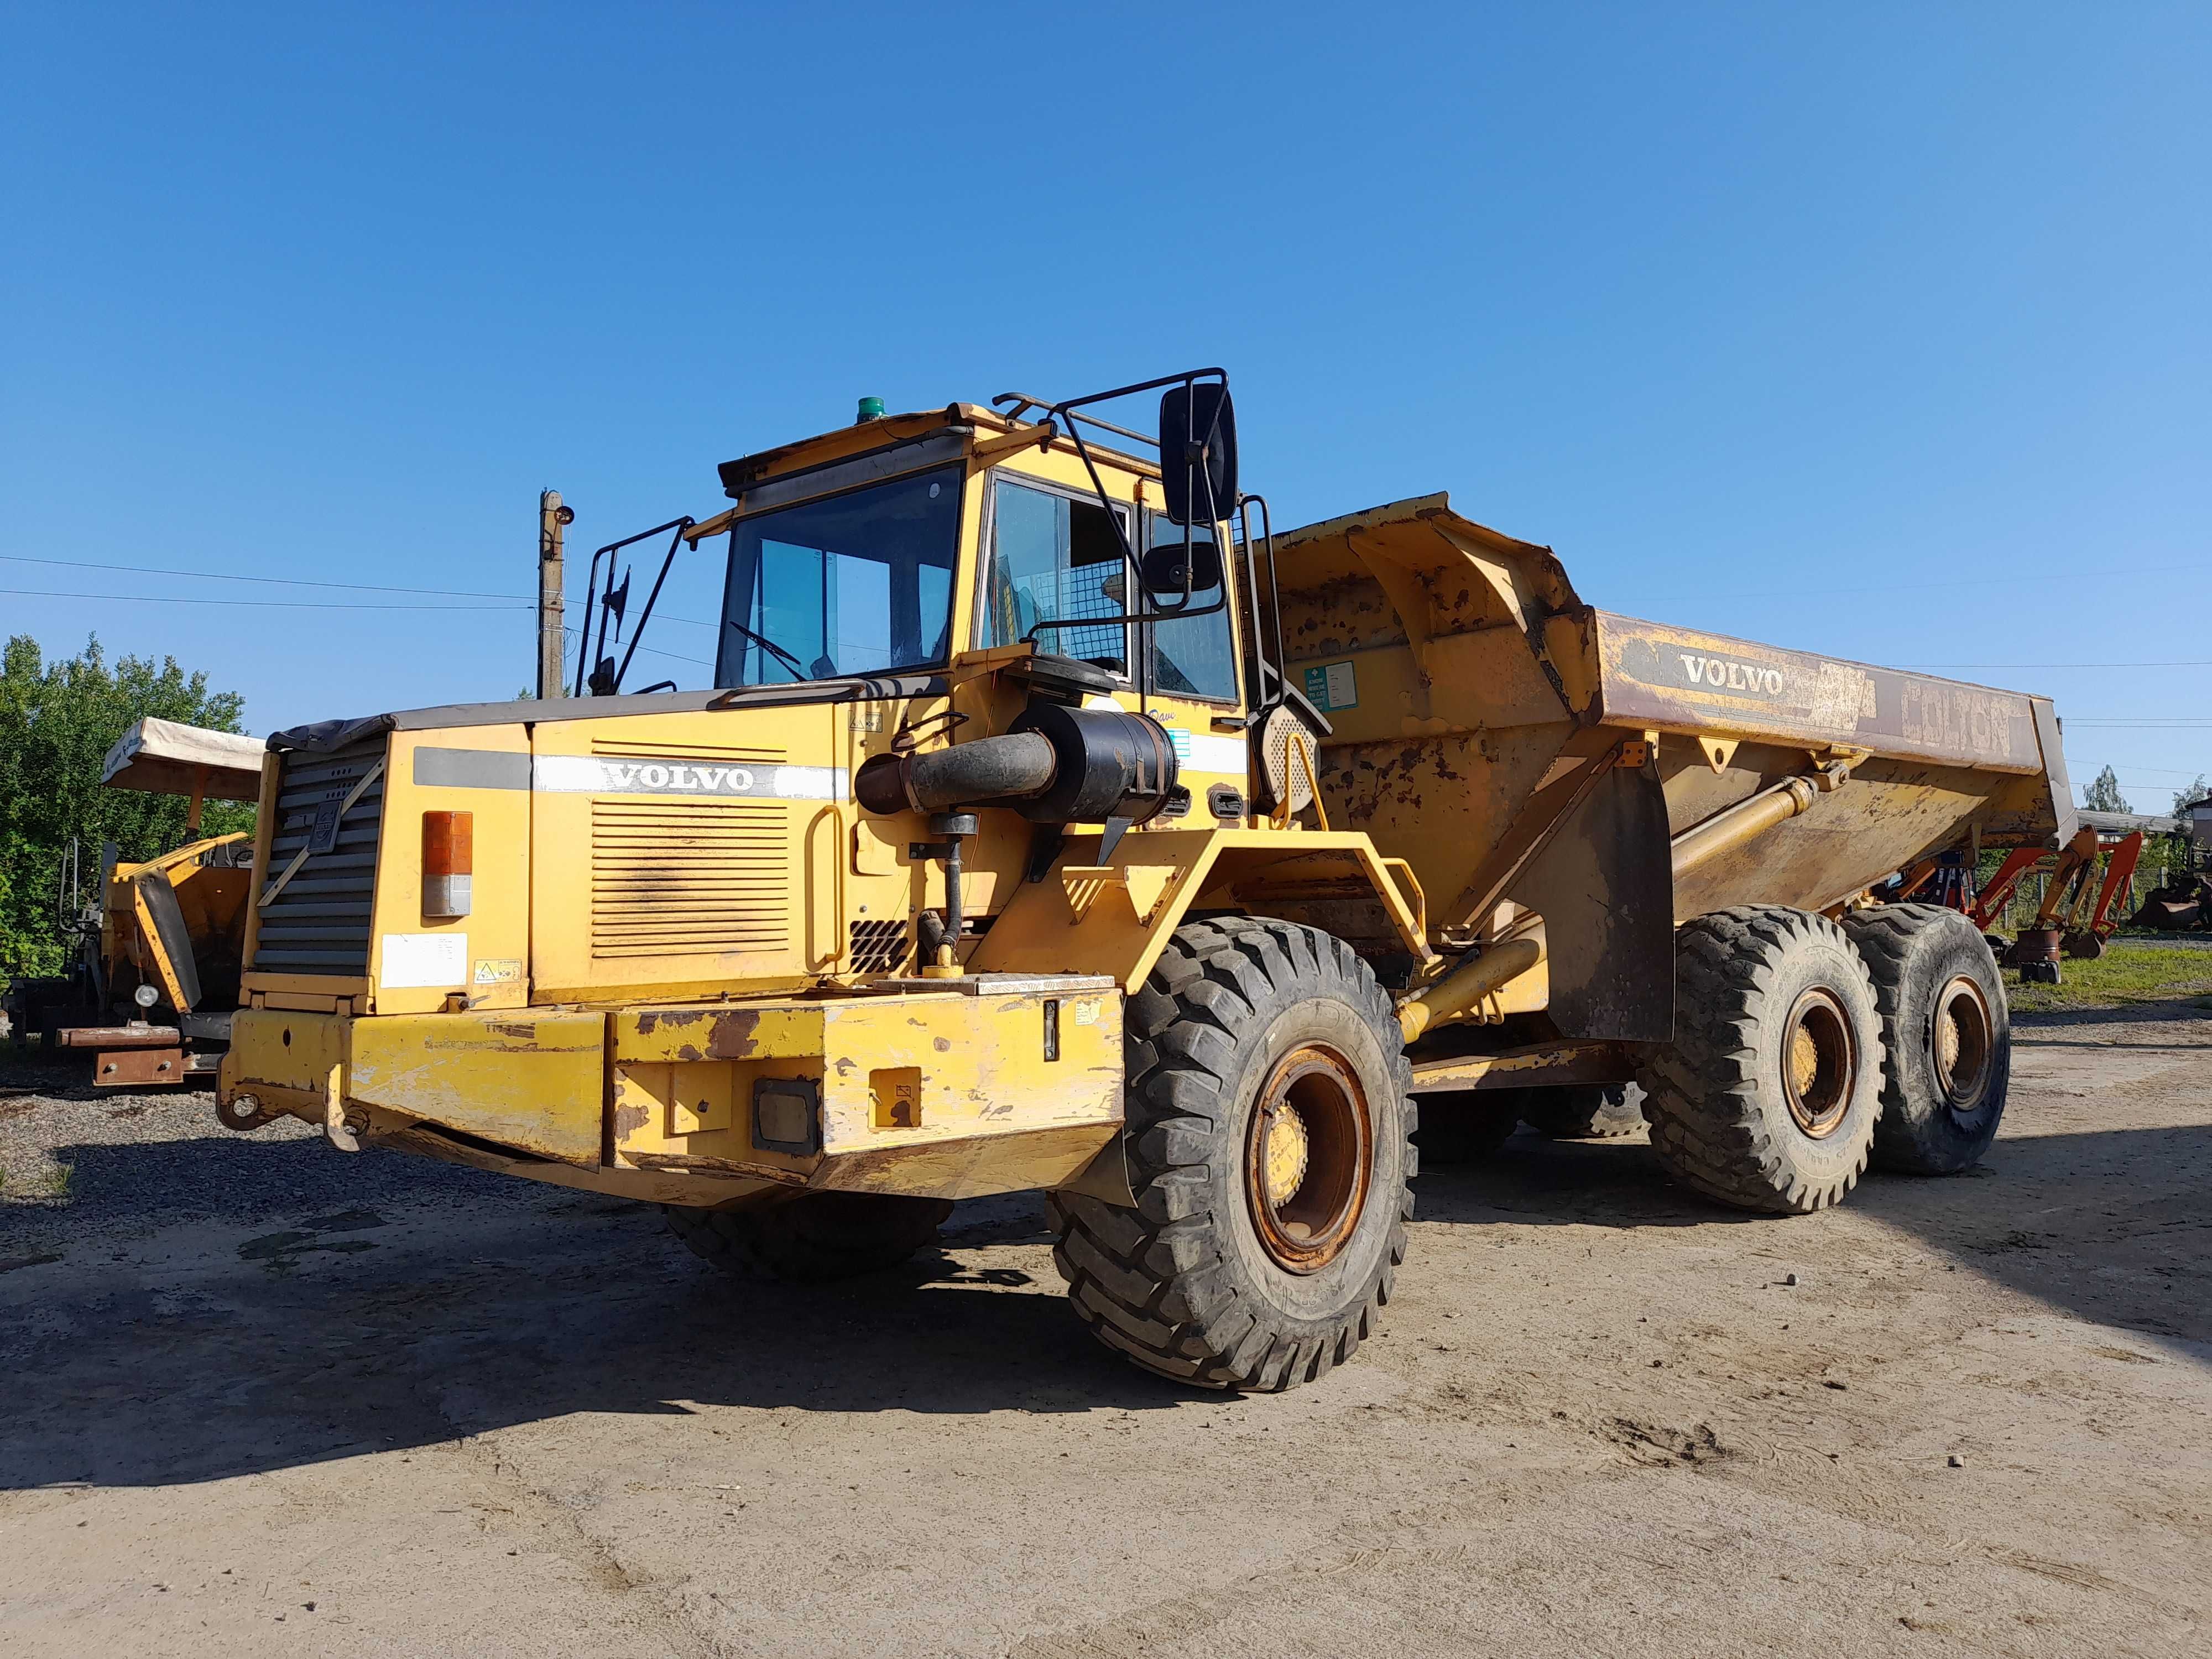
587, 660
584, 632
652, 598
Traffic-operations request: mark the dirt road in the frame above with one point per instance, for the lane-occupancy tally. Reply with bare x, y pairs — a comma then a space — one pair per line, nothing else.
269, 1399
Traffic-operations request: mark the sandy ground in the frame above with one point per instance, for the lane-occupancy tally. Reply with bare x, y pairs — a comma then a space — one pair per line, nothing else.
266, 1399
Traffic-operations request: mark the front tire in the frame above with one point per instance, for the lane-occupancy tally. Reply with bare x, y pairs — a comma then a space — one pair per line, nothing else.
1947, 1032
813, 1239
1767, 1098
1269, 1148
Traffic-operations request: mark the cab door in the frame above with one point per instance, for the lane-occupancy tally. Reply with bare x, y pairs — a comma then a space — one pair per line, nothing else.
1055, 571
1188, 669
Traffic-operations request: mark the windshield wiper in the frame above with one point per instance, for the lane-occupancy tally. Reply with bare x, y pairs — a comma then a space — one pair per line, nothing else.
796, 667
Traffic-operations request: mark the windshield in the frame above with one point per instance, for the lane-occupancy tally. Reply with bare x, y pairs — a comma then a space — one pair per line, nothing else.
859, 583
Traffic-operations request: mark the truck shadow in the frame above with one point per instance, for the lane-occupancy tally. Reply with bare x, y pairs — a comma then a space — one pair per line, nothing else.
2109, 1226
2189, 1012
365, 1312
348, 1321
1604, 1183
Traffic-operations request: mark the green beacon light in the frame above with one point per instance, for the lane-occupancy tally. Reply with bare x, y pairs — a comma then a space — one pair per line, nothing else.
871, 408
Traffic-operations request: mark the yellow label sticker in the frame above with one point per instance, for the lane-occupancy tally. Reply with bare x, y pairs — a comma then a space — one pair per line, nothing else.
1086, 1013
504, 971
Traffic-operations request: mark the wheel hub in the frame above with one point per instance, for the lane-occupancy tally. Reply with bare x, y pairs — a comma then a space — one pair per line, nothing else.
1819, 1063
1964, 1040
1308, 1159
1288, 1144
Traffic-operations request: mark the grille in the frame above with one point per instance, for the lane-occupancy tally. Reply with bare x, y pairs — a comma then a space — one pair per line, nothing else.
689, 877
878, 946
319, 924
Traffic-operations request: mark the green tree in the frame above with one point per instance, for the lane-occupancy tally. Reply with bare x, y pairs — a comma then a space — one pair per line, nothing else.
2184, 799
58, 721
2104, 795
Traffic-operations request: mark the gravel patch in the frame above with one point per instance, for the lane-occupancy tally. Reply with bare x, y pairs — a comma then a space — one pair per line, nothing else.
79, 1165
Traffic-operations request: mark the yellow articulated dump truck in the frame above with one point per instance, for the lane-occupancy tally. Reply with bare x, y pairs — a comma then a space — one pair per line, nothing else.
1050, 823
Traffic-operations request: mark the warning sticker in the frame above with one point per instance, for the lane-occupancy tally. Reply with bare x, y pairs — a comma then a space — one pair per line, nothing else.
1331, 686
504, 971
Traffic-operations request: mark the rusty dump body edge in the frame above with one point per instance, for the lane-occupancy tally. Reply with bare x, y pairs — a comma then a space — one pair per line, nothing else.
1677, 679
1512, 742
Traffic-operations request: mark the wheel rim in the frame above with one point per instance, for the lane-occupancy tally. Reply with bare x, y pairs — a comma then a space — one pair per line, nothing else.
1308, 1158
1964, 1041
1819, 1063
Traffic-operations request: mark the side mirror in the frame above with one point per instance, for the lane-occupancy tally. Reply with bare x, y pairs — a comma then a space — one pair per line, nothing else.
1197, 452
1168, 575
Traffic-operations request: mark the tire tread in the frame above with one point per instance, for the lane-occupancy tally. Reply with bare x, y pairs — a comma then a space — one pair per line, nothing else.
1702, 1091
1149, 1281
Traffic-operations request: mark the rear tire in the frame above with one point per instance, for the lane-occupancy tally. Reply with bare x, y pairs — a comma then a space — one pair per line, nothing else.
1268, 1146
813, 1239
1588, 1111
1767, 1098
1948, 1033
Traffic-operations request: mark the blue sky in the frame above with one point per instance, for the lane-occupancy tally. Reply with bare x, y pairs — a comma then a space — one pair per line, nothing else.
1879, 330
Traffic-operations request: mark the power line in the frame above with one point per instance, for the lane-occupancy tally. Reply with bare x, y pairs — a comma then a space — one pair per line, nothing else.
264, 604
650, 651
272, 581
1913, 584
2056, 664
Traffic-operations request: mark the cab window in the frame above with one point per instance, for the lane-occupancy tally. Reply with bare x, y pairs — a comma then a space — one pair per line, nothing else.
1192, 656
1054, 559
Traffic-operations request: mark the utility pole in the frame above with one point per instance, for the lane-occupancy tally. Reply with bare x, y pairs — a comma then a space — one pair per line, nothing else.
551, 516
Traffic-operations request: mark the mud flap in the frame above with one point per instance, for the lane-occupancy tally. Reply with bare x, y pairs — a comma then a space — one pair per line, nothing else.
1106, 1177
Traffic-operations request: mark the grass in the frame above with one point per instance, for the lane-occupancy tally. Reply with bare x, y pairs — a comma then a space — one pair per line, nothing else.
2125, 974
55, 1181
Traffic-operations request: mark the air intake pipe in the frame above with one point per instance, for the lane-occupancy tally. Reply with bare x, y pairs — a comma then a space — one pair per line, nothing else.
1058, 765
1013, 767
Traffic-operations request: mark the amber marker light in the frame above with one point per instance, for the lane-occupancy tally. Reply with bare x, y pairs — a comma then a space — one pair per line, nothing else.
448, 858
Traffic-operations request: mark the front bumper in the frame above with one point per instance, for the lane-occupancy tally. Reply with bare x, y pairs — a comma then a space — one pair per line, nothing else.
997, 1085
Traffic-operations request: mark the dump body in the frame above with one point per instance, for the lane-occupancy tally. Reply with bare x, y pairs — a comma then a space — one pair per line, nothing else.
1470, 687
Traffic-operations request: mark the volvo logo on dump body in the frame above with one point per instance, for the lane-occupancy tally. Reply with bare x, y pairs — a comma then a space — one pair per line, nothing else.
1689, 665
1724, 674
1667, 677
